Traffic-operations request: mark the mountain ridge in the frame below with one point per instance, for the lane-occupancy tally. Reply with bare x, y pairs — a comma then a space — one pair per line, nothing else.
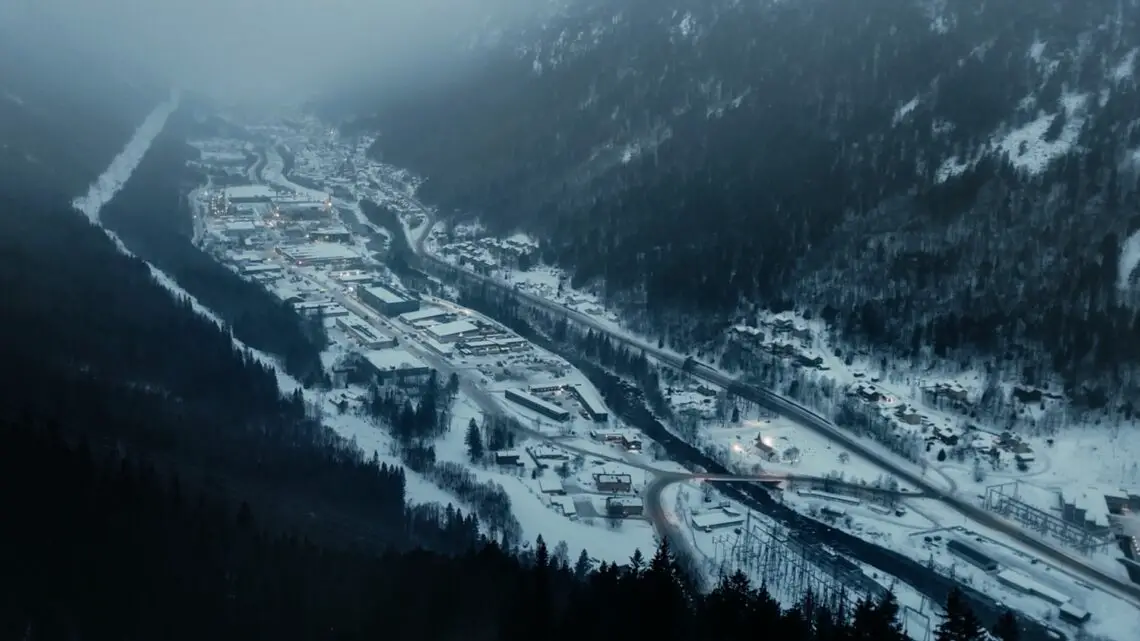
936, 176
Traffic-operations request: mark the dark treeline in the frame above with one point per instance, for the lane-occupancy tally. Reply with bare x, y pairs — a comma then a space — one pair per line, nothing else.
153, 217
109, 548
416, 416
698, 160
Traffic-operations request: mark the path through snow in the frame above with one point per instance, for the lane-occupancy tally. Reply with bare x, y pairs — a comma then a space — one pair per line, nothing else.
112, 180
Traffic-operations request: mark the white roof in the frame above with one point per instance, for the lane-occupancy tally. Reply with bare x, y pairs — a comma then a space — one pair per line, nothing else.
452, 328
384, 294
423, 314
550, 484
614, 478
1023, 582
519, 394
319, 251
590, 399
393, 359
240, 225
719, 518
625, 500
248, 191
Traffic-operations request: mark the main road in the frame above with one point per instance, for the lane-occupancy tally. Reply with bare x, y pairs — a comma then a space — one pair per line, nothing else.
804, 416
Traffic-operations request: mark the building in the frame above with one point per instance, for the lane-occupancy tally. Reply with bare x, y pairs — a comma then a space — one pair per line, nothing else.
427, 313
396, 365
453, 331
624, 506
1070, 613
239, 194
626, 439
617, 483
323, 254
551, 485
716, 519
507, 458
538, 405
590, 403
326, 308
1023, 583
1085, 507
331, 235
766, 450
385, 301
363, 333
239, 230
972, 555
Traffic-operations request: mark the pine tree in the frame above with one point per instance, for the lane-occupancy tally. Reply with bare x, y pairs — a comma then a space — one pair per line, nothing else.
959, 623
1006, 628
474, 442
582, 566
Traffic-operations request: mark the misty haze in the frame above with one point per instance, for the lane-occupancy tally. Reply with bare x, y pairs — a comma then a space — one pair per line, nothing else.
801, 320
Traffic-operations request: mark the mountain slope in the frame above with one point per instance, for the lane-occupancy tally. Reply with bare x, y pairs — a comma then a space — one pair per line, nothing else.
957, 175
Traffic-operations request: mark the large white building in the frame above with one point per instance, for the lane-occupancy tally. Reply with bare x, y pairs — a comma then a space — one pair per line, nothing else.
451, 332
321, 254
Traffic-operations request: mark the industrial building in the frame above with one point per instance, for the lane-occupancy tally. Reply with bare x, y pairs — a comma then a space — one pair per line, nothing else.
239, 194
396, 365
972, 555
716, 519
590, 402
453, 331
385, 301
427, 313
330, 254
1070, 613
585, 396
624, 506
537, 404
331, 235
618, 483
1023, 583
363, 333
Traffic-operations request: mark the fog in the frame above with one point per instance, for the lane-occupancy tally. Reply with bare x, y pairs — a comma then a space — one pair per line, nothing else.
274, 50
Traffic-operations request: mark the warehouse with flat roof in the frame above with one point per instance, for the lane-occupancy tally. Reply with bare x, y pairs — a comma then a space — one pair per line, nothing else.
332, 254
427, 313
396, 365
385, 301
364, 333
532, 402
453, 331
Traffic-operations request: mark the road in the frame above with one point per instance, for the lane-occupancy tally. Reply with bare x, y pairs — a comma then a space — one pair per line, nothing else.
806, 417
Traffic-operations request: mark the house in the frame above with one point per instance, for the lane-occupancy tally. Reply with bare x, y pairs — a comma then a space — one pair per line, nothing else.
507, 457
613, 482
551, 485
624, 506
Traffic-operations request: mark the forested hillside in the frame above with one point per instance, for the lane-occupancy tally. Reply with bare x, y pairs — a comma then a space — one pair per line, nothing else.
952, 176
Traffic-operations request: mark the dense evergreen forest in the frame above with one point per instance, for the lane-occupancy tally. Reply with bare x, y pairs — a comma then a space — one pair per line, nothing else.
882, 164
110, 548
153, 217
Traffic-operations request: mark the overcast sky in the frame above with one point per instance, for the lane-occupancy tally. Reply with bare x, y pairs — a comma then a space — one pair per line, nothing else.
272, 48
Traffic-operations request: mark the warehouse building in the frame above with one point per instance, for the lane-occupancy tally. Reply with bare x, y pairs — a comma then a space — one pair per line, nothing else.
363, 333
1024, 583
331, 235
427, 313
717, 519
529, 401
397, 366
385, 301
323, 254
239, 194
453, 331
590, 402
